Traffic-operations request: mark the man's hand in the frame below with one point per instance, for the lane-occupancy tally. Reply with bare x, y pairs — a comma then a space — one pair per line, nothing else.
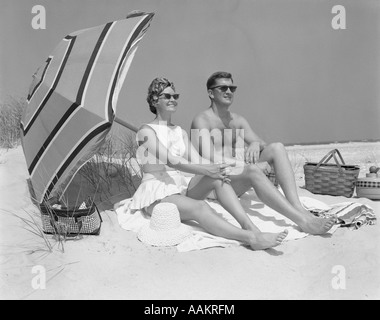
252, 153
265, 167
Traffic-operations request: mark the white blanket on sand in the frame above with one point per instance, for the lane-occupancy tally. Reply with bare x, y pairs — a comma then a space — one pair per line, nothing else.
265, 218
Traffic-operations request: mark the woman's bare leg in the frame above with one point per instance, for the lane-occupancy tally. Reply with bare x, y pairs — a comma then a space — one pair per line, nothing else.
200, 187
201, 212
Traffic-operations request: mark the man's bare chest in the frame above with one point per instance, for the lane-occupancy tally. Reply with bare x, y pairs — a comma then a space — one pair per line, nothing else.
223, 135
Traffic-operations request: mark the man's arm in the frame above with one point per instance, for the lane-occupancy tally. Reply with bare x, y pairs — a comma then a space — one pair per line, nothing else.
254, 143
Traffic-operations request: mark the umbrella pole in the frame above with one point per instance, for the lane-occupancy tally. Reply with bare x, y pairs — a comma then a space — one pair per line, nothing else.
125, 124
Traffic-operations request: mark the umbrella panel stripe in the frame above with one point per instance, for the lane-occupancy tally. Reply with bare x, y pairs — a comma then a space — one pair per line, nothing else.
30, 123
121, 74
56, 108
116, 74
44, 124
30, 95
72, 108
100, 75
59, 174
51, 137
55, 63
65, 144
111, 53
45, 129
66, 141
92, 60
135, 35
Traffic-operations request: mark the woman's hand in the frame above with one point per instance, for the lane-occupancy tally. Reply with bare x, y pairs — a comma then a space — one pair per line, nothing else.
219, 171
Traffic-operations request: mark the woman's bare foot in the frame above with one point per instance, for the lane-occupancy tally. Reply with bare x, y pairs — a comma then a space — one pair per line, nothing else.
317, 226
266, 240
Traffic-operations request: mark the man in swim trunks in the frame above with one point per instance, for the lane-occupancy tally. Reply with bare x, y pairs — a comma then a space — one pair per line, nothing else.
215, 133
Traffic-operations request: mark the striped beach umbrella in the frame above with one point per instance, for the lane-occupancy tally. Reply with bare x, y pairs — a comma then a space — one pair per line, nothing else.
72, 101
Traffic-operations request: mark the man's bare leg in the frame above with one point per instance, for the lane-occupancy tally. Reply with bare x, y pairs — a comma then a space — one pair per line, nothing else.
275, 154
268, 193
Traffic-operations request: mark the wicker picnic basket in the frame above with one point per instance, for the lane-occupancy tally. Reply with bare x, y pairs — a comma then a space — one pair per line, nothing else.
71, 221
336, 179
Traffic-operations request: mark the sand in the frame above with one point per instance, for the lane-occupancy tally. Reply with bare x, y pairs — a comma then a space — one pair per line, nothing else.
115, 265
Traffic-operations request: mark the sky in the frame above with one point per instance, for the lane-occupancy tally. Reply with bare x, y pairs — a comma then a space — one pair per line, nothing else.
300, 80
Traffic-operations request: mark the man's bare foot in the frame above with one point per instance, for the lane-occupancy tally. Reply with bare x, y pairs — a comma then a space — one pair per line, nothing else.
266, 240
318, 226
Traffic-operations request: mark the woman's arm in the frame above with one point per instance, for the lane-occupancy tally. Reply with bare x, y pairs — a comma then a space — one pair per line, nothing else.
152, 151
191, 154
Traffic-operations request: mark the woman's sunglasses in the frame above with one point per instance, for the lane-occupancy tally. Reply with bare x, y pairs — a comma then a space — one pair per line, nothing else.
225, 88
168, 96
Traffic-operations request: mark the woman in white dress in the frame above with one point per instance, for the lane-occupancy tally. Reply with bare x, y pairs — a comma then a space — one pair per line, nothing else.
166, 153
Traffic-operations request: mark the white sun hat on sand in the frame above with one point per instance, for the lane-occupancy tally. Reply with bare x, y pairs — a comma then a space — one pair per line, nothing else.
165, 227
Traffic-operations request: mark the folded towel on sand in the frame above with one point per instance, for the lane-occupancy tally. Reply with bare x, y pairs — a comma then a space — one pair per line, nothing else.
351, 214
266, 219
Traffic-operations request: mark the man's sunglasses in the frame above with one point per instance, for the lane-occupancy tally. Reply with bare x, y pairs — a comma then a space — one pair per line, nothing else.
168, 96
225, 88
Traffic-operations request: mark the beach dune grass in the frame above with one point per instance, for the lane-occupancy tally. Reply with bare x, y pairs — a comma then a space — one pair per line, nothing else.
111, 175
10, 119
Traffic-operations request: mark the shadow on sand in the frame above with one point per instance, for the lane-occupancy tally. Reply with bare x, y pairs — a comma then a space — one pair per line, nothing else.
107, 185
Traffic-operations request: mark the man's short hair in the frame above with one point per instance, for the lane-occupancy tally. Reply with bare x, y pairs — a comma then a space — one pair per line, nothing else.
218, 75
